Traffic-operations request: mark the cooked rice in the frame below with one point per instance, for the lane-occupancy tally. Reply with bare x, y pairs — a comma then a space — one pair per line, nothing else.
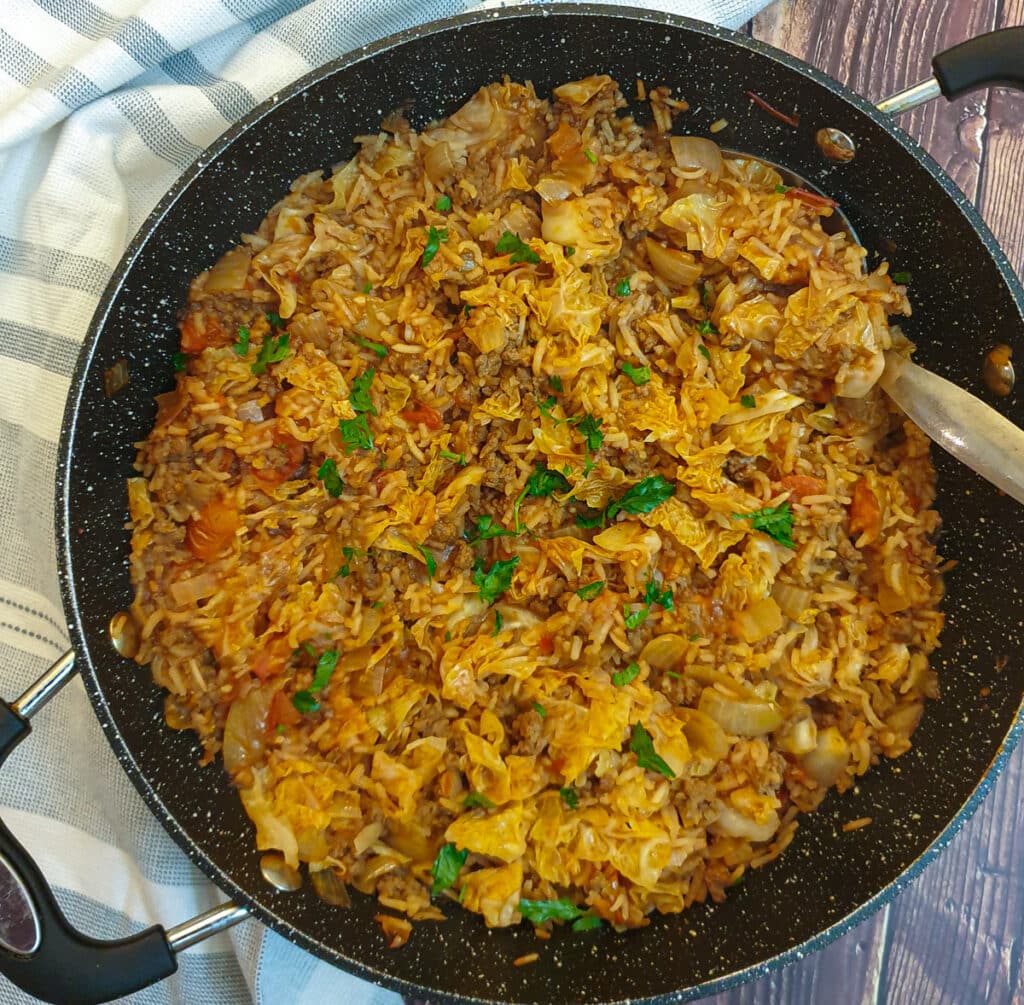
763, 674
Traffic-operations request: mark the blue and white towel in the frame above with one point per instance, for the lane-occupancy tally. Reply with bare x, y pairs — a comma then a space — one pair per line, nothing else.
103, 104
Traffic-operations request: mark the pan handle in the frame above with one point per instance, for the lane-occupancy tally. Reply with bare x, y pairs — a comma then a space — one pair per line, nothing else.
40, 951
992, 60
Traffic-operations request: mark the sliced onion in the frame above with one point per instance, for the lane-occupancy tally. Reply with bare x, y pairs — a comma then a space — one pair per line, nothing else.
798, 737
740, 718
665, 652
187, 592
703, 733
694, 152
758, 621
245, 729
829, 758
330, 888
793, 601
673, 266
735, 824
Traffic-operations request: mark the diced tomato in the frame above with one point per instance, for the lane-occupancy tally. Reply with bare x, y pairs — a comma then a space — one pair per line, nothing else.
546, 645
799, 486
198, 331
282, 711
423, 414
211, 531
282, 460
824, 394
865, 513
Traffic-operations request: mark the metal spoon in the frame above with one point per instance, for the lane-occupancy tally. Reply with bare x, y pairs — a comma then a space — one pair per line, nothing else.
963, 425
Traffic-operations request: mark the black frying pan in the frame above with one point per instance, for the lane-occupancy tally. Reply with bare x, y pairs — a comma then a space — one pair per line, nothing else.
965, 299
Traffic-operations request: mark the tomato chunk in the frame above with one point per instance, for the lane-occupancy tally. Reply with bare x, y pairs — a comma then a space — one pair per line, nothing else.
212, 529
423, 414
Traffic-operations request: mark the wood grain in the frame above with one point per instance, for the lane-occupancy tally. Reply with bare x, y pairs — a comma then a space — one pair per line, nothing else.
955, 936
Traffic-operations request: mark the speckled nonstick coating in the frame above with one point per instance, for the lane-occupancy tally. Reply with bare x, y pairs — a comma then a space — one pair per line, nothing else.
965, 298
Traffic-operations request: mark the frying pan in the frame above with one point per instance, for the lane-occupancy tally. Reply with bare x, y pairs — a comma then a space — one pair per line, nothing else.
965, 299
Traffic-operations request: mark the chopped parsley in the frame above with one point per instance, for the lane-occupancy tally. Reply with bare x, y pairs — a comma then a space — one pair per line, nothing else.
635, 618
431, 561
468, 309
328, 474
591, 590
566, 470
775, 521
590, 428
376, 347
673, 675
498, 622
556, 384
622, 288
694, 637
305, 701
539, 709
624, 677
903, 278
539, 911
486, 528
590, 155
781, 189
435, 238
703, 350
748, 401
512, 244
543, 482
640, 375
448, 636
545, 406
178, 361
705, 295
349, 554
642, 745
493, 582
445, 869
273, 350
707, 328
477, 799
274, 319
367, 287
569, 251
443, 204
359, 396
643, 497
241, 347
355, 434
457, 458
663, 598
569, 797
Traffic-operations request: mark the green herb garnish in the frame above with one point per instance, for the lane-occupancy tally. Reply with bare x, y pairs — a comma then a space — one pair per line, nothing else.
902, 278
642, 745
539, 709
304, 702
486, 528
274, 319
643, 497
623, 677
431, 561
569, 797
443, 204
703, 350
179, 360
590, 429
591, 590
640, 375
457, 458
587, 923
545, 406
622, 288
273, 350
367, 287
375, 347
775, 521
673, 675
539, 911
445, 869
359, 396
707, 328
781, 189
241, 347
556, 384
569, 251
493, 582
543, 482
355, 434
663, 598
477, 799
512, 244
349, 554
590, 155
325, 666
328, 474
498, 622
635, 618
748, 401
435, 238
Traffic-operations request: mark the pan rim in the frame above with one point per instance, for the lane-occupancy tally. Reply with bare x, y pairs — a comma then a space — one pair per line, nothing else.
146, 231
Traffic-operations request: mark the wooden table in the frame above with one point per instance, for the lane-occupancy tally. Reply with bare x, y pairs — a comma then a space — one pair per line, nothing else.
956, 935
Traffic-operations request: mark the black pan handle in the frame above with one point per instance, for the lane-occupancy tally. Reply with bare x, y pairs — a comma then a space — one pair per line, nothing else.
992, 60
40, 951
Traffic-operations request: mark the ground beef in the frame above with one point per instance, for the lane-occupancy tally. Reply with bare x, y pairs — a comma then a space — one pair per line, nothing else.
740, 469
488, 364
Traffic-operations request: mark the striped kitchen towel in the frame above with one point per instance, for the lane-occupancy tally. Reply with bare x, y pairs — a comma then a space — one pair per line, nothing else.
103, 103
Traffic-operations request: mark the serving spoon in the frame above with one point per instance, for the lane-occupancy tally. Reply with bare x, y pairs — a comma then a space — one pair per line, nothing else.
962, 424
